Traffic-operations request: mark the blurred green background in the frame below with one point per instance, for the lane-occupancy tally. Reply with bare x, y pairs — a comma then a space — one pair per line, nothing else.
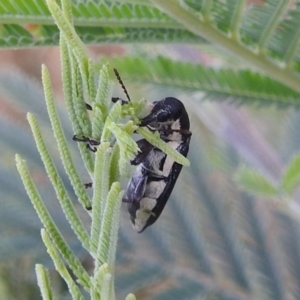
214, 240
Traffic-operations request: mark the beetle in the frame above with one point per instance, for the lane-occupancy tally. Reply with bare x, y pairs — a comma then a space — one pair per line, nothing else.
156, 173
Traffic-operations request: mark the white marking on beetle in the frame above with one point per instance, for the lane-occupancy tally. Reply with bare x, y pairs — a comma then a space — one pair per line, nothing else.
144, 213
154, 188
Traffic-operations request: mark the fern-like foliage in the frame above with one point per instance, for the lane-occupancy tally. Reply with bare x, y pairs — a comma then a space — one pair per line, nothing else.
241, 86
119, 23
263, 35
209, 241
212, 241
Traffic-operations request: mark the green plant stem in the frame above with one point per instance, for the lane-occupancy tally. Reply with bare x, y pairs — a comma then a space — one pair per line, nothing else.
91, 22
130, 297
157, 142
236, 19
60, 267
97, 281
43, 279
39, 206
101, 187
66, 8
292, 50
61, 141
109, 228
139, 2
68, 31
66, 57
61, 193
206, 10
205, 30
271, 26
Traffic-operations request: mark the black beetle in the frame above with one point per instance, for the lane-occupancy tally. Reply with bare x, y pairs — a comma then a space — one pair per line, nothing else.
156, 173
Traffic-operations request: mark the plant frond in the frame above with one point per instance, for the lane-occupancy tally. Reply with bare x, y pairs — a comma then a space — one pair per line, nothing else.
243, 86
254, 55
108, 22
44, 282
113, 21
256, 20
291, 177
259, 238
48, 35
66, 252
61, 193
285, 42
255, 183
101, 187
90, 13
222, 252
238, 248
60, 266
226, 14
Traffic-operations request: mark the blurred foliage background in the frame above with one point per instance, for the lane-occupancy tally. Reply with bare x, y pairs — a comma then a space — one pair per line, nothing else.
231, 229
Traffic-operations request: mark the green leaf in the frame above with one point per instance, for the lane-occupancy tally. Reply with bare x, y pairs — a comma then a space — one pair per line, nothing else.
242, 86
60, 267
219, 225
155, 140
61, 141
101, 187
43, 279
98, 281
203, 27
291, 177
130, 297
73, 262
60, 190
255, 183
94, 22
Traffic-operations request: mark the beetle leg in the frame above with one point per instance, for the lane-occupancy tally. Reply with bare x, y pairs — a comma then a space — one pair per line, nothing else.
88, 185
90, 142
85, 139
113, 99
145, 148
88, 106
126, 200
149, 212
93, 149
183, 132
116, 99
80, 139
155, 176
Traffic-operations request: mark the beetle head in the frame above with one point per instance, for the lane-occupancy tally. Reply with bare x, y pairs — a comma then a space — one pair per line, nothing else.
165, 112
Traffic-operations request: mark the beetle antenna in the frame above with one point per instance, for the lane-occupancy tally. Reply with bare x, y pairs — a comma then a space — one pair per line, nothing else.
121, 83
